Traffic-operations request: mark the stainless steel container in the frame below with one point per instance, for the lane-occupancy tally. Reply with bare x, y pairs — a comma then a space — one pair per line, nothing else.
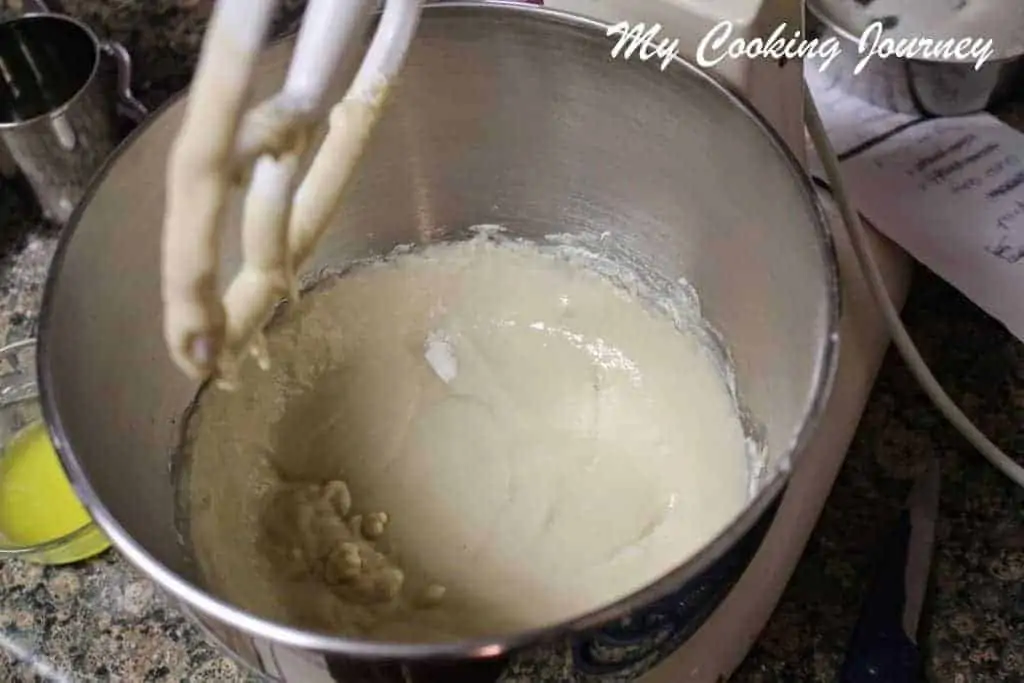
505, 114
56, 118
915, 86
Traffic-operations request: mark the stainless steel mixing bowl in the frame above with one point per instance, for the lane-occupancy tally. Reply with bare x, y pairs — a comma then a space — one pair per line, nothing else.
506, 114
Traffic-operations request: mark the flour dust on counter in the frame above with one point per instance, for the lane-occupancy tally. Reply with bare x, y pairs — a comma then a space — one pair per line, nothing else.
466, 439
1001, 21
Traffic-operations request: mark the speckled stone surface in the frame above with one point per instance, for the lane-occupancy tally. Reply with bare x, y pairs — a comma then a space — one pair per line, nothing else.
102, 621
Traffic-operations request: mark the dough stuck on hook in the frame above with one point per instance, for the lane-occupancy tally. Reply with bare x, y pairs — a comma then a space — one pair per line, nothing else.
202, 351
259, 351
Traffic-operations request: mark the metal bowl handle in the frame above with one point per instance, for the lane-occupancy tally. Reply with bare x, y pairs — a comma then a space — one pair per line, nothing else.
128, 106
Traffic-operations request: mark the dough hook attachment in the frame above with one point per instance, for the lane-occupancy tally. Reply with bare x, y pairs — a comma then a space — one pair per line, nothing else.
220, 145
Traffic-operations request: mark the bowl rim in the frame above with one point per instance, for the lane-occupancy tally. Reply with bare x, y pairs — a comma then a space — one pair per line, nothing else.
203, 602
12, 550
59, 543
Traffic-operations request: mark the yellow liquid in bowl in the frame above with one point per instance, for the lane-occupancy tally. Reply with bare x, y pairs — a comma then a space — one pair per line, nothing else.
37, 503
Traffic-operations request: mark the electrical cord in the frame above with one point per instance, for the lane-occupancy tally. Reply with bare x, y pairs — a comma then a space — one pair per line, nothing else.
901, 338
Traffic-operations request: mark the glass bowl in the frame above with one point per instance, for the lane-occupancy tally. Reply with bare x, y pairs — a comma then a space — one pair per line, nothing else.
35, 475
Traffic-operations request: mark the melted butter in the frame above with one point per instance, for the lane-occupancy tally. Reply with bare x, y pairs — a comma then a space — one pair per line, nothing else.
541, 443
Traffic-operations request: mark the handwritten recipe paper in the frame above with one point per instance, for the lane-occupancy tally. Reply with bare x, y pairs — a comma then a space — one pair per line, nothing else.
949, 191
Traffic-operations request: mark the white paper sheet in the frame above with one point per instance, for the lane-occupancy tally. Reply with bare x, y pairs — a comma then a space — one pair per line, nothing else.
949, 191
849, 121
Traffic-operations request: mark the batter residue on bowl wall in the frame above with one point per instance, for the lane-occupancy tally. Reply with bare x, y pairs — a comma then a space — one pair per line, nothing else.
469, 439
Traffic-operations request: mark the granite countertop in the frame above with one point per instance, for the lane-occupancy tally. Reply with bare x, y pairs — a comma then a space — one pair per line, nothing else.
102, 620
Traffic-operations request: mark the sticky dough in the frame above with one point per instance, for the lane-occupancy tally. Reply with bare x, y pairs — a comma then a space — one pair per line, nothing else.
532, 442
204, 334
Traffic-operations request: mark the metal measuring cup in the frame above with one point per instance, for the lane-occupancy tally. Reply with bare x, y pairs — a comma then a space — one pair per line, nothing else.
55, 118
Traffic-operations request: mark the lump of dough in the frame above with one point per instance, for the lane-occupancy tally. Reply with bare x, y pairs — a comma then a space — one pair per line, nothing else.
312, 537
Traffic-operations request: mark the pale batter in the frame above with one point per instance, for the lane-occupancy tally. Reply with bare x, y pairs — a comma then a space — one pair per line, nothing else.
481, 438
